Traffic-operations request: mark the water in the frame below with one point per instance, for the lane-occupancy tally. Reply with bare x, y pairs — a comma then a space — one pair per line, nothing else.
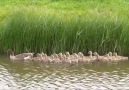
37, 76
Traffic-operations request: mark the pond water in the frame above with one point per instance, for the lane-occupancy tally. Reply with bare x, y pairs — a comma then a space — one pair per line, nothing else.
37, 76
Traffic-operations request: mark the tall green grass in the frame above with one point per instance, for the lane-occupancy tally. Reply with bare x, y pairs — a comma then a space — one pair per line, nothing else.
60, 26
54, 33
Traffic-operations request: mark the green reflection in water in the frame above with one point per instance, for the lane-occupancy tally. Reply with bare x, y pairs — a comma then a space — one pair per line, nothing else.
22, 68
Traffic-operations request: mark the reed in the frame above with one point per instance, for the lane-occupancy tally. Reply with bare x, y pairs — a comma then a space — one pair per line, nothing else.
53, 31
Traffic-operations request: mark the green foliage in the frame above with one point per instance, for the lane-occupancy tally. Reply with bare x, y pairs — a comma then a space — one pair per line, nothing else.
55, 26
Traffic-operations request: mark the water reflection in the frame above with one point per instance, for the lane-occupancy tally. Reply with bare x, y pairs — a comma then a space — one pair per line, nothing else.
31, 76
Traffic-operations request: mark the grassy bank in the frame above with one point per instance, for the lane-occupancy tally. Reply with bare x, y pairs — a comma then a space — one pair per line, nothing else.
54, 26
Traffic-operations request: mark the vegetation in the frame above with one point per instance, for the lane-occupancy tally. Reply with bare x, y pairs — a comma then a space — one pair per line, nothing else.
54, 26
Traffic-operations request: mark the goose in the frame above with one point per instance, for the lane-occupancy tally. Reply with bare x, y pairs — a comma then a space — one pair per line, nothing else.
22, 56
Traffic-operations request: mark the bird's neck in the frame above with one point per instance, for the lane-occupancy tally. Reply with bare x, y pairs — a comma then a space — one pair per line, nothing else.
97, 56
91, 55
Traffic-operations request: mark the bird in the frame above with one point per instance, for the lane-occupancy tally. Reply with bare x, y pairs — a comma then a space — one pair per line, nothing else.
56, 59
101, 58
118, 57
75, 58
66, 59
46, 58
72, 59
90, 58
80, 57
22, 56
67, 54
38, 58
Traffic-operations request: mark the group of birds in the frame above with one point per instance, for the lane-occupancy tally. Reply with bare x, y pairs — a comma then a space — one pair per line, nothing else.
67, 57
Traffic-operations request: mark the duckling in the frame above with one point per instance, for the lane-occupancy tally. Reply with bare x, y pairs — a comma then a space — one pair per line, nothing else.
101, 58
89, 58
22, 56
90, 54
73, 58
56, 59
46, 59
109, 57
52, 58
39, 58
110, 53
67, 60
106, 57
115, 54
28, 58
114, 57
119, 58
80, 57
55, 55
75, 55
42, 53
80, 54
97, 55
67, 54
60, 55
